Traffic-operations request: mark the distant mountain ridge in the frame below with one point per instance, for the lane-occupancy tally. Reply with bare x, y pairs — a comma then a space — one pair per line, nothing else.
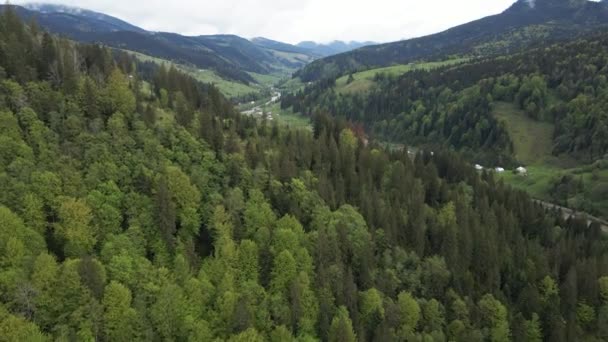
312, 48
334, 47
280, 46
230, 56
524, 24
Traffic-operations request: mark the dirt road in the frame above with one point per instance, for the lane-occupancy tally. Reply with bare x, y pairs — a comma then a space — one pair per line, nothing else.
567, 213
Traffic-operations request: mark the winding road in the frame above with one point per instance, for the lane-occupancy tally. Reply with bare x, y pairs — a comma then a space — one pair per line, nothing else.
567, 213
258, 110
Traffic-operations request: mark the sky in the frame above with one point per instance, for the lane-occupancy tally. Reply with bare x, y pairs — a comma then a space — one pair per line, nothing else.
293, 21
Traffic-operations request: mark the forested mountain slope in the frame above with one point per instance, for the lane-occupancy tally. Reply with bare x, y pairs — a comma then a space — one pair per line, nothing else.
565, 84
232, 57
525, 24
135, 204
64, 19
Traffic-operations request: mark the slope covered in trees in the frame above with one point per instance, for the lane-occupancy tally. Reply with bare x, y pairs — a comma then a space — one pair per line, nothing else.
230, 56
527, 23
563, 84
145, 208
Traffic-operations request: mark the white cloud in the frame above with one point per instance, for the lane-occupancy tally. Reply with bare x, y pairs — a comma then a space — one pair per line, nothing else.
296, 20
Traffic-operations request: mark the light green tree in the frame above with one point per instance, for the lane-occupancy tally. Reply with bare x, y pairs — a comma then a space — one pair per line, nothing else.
225, 247
371, 309
105, 204
21, 237
433, 315
305, 308
17, 329
495, 317
249, 335
341, 329
548, 289
281, 334
284, 272
247, 263
409, 312
187, 198
533, 329
33, 212
603, 289
119, 97
118, 316
44, 279
585, 315
169, 312
74, 227
258, 214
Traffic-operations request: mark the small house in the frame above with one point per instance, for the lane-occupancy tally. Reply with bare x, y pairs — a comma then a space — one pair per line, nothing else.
521, 171
499, 170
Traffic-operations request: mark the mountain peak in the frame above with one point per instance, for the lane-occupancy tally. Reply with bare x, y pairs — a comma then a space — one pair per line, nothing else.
56, 8
553, 3
555, 8
94, 21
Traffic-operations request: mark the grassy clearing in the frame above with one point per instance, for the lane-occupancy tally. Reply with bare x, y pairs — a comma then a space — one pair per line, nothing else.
358, 86
532, 140
548, 175
591, 194
288, 117
538, 181
364, 80
268, 80
292, 85
228, 88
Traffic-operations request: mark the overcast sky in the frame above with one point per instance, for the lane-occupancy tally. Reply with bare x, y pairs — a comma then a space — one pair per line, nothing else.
296, 20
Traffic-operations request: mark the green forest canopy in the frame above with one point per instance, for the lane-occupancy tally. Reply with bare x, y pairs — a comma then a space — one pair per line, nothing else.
128, 215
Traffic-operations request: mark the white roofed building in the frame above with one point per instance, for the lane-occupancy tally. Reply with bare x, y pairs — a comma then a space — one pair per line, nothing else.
522, 170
